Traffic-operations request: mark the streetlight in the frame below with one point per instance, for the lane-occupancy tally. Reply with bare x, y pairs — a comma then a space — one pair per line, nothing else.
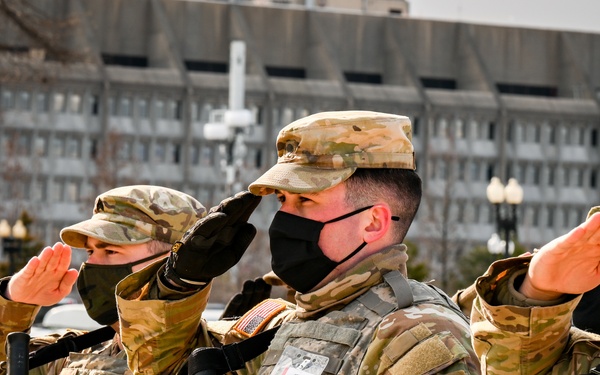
497, 194
12, 240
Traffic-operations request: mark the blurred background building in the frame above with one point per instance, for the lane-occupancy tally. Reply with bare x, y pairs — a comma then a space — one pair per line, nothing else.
123, 96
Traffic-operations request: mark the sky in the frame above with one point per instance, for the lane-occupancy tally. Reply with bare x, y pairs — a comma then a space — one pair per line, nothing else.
569, 15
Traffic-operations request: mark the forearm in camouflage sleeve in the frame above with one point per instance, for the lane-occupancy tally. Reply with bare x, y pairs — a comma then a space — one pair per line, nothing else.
14, 317
511, 334
159, 335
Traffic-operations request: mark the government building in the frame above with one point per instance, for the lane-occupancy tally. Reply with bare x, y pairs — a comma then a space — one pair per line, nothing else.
484, 101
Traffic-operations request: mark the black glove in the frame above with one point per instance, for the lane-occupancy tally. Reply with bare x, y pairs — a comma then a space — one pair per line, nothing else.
253, 292
214, 244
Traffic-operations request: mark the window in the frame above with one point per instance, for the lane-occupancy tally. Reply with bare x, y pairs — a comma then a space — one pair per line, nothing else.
8, 100
207, 156
72, 189
462, 170
415, 126
40, 146
176, 153
552, 135
489, 171
491, 130
125, 60
459, 128
535, 217
530, 90
475, 170
194, 154
58, 147
23, 144
550, 217
125, 109
537, 134
442, 128
59, 102
207, 66
124, 151
38, 192
43, 104
535, 178
510, 131
75, 103
286, 72
360, 77
438, 83
142, 153
94, 105
24, 101
142, 108
159, 109
56, 190
72, 149
178, 113
550, 176
159, 152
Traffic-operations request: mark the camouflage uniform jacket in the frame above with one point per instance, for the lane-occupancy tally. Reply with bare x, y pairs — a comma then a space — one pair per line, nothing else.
105, 358
516, 335
421, 339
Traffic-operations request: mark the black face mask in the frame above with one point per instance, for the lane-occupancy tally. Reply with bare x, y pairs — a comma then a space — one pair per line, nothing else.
296, 256
96, 285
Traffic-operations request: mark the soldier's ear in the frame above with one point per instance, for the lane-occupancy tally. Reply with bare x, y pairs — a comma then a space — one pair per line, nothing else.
377, 222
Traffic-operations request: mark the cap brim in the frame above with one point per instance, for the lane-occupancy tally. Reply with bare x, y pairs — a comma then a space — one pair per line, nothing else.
113, 233
296, 178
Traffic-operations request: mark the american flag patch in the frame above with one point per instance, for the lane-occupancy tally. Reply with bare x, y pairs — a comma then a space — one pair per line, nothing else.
254, 320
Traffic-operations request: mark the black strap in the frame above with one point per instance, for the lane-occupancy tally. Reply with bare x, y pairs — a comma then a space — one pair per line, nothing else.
66, 345
231, 357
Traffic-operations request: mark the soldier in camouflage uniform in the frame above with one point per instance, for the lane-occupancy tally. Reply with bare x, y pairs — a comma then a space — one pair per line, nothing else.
522, 307
131, 227
348, 194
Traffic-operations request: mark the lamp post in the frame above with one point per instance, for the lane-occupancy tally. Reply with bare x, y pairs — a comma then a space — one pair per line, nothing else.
497, 194
12, 241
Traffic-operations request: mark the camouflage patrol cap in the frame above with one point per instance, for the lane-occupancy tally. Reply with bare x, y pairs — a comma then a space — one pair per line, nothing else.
322, 150
137, 214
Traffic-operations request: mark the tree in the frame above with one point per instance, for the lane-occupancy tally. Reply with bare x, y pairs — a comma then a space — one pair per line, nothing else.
474, 263
416, 268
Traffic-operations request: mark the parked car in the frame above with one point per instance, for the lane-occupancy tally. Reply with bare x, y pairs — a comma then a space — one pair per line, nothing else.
61, 317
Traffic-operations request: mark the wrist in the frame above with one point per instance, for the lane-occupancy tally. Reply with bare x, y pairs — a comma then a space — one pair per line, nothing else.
530, 291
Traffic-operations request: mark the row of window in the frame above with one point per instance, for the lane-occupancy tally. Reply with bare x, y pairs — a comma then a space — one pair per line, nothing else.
123, 105
76, 191
528, 216
162, 151
575, 134
527, 173
129, 106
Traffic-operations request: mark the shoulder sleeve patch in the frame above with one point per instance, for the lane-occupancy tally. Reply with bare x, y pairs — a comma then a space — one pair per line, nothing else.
256, 319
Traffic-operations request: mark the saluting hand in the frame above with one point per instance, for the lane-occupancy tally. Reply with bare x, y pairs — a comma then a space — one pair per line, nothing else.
569, 264
46, 279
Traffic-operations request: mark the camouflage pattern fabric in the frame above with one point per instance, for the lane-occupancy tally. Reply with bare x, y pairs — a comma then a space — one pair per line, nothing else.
322, 150
159, 334
513, 335
137, 214
421, 339
16, 316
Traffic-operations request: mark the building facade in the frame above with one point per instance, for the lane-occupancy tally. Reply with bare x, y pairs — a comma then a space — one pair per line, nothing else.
484, 101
